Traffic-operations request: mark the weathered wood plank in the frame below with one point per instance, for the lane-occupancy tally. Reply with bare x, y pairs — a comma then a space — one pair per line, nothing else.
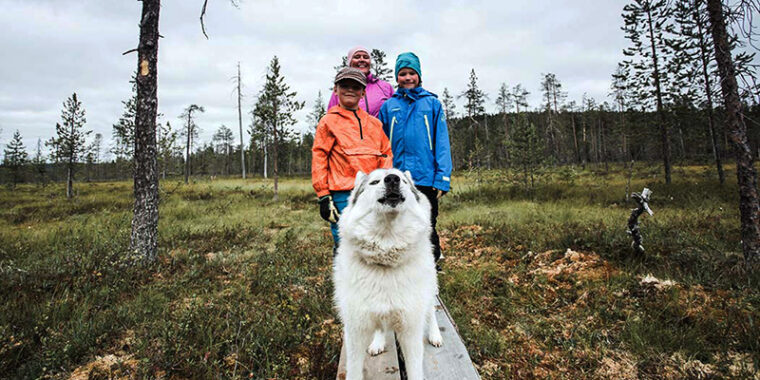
381, 367
451, 361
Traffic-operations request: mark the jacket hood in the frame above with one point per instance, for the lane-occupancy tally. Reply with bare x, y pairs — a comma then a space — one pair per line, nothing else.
371, 78
414, 93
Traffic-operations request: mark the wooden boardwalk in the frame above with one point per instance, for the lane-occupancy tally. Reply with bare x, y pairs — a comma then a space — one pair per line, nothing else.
450, 362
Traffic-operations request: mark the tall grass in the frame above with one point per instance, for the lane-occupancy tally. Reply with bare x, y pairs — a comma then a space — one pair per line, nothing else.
242, 286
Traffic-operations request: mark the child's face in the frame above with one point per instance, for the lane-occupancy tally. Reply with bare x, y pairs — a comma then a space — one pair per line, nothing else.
408, 78
361, 61
349, 93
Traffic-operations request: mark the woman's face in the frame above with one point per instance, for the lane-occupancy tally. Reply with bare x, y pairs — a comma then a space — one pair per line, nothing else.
408, 78
361, 61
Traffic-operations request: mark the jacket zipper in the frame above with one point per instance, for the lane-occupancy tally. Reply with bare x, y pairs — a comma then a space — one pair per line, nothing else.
361, 133
393, 123
427, 126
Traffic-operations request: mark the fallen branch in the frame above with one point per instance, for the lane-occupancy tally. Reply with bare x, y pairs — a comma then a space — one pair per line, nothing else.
633, 222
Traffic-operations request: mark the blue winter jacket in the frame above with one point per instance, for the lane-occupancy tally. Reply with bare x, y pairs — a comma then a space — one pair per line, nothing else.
415, 124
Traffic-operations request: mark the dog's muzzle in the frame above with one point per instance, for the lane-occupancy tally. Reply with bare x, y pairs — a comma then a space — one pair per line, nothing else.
392, 196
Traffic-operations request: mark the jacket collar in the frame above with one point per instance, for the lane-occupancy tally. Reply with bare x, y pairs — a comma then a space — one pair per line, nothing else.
371, 78
414, 93
337, 109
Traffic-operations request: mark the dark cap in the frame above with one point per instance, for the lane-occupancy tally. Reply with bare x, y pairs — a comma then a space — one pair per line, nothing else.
351, 73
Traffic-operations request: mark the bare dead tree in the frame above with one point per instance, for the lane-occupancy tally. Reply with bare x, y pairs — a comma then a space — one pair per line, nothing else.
144, 238
642, 200
240, 120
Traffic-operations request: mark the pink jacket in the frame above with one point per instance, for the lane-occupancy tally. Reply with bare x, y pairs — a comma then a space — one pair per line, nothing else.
378, 91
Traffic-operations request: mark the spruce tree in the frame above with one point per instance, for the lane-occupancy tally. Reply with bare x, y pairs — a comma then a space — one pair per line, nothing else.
15, 158
316, 114
124, 130
526, 150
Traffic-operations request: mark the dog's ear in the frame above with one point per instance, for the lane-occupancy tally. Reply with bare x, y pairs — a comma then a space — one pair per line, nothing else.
416, 192
408, 176
359, 185
359, 178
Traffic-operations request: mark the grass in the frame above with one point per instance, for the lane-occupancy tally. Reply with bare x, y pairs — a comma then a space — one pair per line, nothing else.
242, 286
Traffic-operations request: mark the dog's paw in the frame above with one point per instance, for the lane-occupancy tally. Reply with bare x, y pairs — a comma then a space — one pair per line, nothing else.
435, 339
376, 348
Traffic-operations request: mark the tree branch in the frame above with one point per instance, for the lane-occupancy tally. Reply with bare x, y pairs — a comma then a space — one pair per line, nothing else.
203, 13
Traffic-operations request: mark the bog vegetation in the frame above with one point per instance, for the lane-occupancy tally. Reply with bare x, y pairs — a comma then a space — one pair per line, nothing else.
541, 283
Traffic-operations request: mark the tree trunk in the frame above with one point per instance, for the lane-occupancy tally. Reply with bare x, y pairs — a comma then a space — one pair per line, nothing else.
187, 149
575, 138
240, 124
144, 240
710, 114
660, 112
745, 171
70, 180
274, 158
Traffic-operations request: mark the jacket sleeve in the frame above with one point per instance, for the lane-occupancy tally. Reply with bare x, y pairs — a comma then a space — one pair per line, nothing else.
442, 179
383, 117
323, 144
333, 100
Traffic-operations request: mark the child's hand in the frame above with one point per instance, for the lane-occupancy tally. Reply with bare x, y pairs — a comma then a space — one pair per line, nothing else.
327, 209
440, 194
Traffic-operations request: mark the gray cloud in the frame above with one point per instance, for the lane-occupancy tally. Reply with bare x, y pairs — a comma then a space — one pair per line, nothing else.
53, 48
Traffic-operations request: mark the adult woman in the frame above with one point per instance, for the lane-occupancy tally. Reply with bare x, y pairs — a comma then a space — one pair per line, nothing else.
377, 91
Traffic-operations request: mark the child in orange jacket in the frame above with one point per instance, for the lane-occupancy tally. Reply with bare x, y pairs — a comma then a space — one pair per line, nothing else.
347, 140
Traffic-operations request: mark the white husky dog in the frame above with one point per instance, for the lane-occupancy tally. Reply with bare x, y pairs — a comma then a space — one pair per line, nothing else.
384, 271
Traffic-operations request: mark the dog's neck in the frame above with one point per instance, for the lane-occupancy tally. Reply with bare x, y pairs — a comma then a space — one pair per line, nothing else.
382, 239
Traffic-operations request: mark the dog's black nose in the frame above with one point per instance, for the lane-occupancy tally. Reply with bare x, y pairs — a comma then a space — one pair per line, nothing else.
392, 180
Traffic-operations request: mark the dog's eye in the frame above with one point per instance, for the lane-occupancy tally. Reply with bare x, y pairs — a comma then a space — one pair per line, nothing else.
375, 182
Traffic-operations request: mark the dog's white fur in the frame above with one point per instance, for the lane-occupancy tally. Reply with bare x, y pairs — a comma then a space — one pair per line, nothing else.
384, 273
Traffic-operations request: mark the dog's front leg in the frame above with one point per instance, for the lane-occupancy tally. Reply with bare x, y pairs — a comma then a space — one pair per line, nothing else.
410, 339
377, 346
434, 333
356, 340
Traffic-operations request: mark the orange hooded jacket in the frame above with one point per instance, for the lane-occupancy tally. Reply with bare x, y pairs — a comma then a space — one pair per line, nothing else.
345, 142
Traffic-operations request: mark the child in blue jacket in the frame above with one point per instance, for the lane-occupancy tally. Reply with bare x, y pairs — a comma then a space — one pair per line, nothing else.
414, 121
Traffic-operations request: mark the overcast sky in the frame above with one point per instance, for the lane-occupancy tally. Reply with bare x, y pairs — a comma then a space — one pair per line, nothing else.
52, 48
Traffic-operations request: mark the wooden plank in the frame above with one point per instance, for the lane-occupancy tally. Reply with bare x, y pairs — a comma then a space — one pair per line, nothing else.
381, 367
451, 361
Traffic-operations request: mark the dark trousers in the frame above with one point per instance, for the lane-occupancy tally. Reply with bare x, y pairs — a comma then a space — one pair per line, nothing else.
431, 195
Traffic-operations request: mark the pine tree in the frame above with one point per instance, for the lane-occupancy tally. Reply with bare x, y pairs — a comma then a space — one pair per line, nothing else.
749, 202
691, 17
39, 163
553, 98
519, 97
124, 129
190, 133
380, 68
15, 158
645, 26
223, 139
343, 63
69, 142
277, 107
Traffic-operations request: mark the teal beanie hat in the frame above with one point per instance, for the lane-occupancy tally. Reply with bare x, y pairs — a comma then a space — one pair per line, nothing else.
409, 60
